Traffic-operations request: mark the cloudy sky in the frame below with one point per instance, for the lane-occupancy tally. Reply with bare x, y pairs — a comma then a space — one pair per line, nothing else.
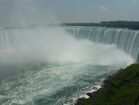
53, 11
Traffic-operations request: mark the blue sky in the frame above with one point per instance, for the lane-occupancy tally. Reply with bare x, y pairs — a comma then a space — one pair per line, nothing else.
44, 11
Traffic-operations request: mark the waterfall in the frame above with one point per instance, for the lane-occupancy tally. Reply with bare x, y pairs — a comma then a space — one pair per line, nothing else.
127, 40
42, 41
46, 65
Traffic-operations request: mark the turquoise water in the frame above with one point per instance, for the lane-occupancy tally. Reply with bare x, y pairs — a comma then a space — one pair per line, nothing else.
51, 84
48, 66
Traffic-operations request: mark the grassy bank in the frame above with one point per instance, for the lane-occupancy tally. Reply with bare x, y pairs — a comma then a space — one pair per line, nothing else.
121, 88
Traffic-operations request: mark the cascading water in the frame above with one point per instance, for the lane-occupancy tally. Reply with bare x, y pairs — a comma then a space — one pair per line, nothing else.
127, 40
48, 66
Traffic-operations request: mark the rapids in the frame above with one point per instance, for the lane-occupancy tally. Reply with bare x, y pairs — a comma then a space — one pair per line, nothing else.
49, 66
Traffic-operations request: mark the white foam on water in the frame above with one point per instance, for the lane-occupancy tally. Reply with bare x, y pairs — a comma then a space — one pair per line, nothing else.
57, 61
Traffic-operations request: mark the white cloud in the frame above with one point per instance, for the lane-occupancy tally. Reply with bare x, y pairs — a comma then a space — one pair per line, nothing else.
103, 8
135, 1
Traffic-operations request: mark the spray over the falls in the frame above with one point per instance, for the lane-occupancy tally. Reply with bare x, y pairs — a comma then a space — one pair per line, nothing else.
51, 67
54, 44
127, 40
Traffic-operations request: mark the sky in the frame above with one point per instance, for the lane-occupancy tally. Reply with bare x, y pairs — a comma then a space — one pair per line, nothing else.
55, 11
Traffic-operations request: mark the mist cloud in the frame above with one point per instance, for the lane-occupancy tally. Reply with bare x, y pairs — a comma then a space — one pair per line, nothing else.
24, 12
104, 8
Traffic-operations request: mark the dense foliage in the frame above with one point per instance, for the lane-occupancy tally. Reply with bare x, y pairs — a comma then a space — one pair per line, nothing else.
121, 88
114, 24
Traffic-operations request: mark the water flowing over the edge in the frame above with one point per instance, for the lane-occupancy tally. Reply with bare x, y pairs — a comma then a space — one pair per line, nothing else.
127, 40
29, 54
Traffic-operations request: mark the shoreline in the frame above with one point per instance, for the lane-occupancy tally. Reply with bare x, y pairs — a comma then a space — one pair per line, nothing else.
121, 88
93, 89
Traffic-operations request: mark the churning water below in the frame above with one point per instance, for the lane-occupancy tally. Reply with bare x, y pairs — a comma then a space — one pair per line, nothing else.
47, 66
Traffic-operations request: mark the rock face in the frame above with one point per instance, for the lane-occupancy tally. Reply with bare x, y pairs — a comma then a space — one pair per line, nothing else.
121, 88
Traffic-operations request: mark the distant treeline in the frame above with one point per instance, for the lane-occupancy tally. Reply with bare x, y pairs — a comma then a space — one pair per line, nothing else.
114, 24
